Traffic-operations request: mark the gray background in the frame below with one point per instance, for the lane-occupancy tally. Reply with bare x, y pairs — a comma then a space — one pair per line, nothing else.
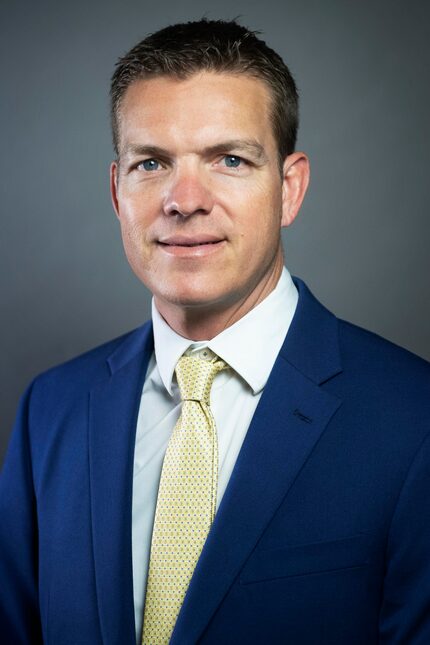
361, 241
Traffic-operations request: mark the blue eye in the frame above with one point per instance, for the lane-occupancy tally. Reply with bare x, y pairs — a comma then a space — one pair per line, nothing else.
150, 164
231, 161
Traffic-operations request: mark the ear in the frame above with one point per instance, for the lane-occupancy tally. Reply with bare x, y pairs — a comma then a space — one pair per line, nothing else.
296, 172
114, 171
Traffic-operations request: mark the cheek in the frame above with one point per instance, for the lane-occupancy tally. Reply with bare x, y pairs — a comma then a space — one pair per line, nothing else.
258, 224
135, 238
135, 220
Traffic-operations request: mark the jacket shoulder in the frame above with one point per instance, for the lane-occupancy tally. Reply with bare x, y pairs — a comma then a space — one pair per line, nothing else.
386, 381
366, 347
81, 371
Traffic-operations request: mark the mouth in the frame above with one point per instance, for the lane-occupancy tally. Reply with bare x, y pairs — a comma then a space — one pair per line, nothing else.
190, 246
183, 240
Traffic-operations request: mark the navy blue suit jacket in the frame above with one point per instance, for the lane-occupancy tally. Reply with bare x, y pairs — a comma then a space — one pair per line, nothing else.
323, 534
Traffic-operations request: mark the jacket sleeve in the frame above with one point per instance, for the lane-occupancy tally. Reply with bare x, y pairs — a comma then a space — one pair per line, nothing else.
405, 611
19, 606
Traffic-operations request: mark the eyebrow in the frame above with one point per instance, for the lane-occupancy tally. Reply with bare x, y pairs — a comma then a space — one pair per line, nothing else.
249, 146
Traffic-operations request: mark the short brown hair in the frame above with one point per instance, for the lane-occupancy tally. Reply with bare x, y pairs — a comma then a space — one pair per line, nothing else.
184, 49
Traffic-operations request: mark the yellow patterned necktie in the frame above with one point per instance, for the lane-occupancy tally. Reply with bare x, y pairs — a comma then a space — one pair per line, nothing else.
186, 500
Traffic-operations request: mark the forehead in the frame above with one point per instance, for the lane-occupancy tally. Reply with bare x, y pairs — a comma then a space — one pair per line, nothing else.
207, 105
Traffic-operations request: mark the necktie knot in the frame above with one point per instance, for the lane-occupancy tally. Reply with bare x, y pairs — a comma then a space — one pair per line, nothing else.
195, 377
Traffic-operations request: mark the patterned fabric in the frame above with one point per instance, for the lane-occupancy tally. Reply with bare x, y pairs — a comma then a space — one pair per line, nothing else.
186, 500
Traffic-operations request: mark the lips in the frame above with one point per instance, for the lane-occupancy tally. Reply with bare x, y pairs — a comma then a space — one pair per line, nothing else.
189, 244
191, 248
180, 240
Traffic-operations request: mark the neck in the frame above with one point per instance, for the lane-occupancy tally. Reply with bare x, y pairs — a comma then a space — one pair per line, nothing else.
205, 322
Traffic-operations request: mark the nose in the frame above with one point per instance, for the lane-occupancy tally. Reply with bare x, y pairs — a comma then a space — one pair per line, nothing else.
188, 194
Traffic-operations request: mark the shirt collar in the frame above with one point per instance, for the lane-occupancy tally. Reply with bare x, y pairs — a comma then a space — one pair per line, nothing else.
250, 346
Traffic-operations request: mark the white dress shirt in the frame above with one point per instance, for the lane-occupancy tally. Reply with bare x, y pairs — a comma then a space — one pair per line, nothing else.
250, 348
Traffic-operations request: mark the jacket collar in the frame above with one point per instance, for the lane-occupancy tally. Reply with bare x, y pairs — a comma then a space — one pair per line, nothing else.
312, 342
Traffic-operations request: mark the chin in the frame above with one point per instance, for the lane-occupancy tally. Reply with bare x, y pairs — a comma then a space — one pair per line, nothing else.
190, 297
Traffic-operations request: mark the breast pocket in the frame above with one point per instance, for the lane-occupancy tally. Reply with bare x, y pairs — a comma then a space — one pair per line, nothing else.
306, 559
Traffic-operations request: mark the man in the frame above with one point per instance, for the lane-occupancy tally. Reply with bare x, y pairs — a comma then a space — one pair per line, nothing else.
246, 468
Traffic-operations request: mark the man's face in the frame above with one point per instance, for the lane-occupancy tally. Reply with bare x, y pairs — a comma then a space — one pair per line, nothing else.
198, 190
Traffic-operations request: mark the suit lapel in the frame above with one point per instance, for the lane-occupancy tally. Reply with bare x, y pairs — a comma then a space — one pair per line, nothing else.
114, 406
291, 416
